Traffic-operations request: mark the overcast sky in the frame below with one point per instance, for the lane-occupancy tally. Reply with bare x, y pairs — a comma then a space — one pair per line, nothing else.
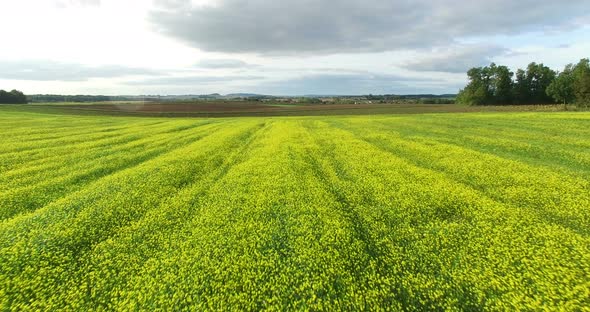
281, 47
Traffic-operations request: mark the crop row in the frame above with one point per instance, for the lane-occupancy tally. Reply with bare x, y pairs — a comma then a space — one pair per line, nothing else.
323, 213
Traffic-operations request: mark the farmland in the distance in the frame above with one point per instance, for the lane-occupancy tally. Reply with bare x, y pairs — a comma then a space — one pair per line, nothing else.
476, 211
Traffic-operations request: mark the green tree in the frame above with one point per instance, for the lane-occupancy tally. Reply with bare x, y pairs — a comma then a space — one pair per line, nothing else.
581, 74
12, 97
531, 85
478, 91
18, 97
501, 84
4, 96
487, 85
521, 89
562, 88
540, 77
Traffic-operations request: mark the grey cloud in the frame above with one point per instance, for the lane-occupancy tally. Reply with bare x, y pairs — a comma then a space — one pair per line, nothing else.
457, 59
325, 26
43, 70
191, 80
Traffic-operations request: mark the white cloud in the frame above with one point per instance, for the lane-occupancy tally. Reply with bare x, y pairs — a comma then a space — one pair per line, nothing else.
72, 3
44, 70
205, 46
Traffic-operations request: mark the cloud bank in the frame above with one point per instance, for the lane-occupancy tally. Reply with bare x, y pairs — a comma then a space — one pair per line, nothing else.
222, 64
456, 59
326, 26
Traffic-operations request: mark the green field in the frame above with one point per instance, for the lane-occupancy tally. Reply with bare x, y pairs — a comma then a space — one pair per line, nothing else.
474, 211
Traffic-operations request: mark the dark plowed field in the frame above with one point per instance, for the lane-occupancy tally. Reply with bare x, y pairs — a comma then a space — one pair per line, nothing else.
237, 108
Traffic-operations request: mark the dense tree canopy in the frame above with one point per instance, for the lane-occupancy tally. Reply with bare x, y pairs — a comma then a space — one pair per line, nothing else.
538, 84
488, 85
531, 85
562, 88
12, 97
581, 74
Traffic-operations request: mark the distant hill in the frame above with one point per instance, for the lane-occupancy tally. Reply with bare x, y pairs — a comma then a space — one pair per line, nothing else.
245, 95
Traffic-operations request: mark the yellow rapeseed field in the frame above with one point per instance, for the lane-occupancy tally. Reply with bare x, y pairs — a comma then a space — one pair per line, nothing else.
478, 211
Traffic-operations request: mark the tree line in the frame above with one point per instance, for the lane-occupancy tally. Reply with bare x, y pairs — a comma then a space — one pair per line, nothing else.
538, 84
12, 97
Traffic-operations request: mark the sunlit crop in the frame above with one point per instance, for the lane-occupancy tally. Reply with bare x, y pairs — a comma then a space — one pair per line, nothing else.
472, 211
